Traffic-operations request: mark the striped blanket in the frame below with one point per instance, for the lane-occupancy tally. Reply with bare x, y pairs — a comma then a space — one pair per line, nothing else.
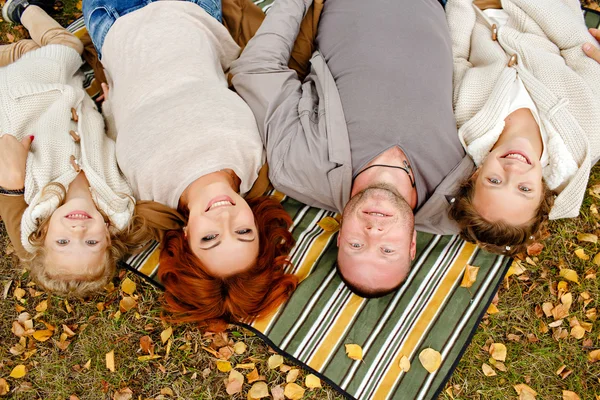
431, 310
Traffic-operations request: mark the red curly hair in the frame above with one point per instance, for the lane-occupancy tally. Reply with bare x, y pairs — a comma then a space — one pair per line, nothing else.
192, 294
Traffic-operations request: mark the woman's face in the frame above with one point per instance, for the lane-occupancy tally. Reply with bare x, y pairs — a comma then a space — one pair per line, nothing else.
508, 184
76, 240
221, 231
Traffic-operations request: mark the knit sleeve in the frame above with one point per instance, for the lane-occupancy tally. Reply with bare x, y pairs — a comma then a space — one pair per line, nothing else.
461, 21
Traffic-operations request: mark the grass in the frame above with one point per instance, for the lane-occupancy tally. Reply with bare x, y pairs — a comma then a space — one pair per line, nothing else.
187, 371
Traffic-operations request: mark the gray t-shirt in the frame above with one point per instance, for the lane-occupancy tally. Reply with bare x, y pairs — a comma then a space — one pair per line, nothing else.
395, 87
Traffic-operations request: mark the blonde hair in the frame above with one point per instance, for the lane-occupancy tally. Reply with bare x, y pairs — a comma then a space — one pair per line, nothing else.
119, 244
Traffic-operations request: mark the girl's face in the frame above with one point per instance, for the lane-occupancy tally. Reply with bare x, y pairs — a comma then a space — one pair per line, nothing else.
508, 184
76, 239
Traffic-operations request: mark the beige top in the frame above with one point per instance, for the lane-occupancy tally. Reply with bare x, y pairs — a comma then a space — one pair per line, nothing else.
174, 116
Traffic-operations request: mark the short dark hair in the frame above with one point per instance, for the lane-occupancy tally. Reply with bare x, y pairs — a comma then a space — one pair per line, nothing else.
497, 237
366, 292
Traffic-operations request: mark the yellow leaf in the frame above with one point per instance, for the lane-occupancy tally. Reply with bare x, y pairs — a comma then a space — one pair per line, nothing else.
487, 370
246, 366
235, 382
522, 389
42, 306
578, 332
259, 390
430, 359
88, 364
404, 364
128, 286
127, 303
492, 309
498, 351
548, 307
223, 366
239, 347
594, 356
253, 376
293, 391
470, 276
42, 335
587, 237
68, 307
581, 254
312, 381
18, 372
275, 361
79, 5
149, 357
19, 293
568, 395
4, 387
292, 375
354, 352
596, 259
329, 224
110, 361
166, 334
569, 275
167, 391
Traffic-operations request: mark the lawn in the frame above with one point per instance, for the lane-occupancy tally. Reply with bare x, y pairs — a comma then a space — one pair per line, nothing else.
115, 346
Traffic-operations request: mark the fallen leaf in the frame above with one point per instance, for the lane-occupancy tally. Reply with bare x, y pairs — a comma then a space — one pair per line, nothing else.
284, 368
354, 351
277, 392
110, 361
19, 293
594, 356
17, 329
253, 376
329, 224
292, 375
492, 309
568, 395
88, 364
239, 347
149, 357
18, 372
487, 370
293, 391
560, 311
127, 303
128, 286
166, 334
596, 259
146, 345
259, 390
535, 249
68, 307
470, 276
275, 361
580, 253
569, 275
591, 314
498, 351
430, 359
223, 366
235, 382
167, 391
404, 364
4, 387
123, 394
524, 391
500, 366
587, 237
43, 335
42, 306
578, 332
246, 366
555, 324
312, 381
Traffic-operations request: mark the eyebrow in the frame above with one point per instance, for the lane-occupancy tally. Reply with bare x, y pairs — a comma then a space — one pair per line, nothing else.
219, 242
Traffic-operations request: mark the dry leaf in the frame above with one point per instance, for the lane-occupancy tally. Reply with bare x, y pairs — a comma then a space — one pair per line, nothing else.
110, 361
42, 306
430, 359
223, 366
568, 395
127, 303
580, 253
498, 351
18, 372
128, 286
4, 387
293, 391
146, 345
253, 376
524, 391
167, 392
492, 309
166, 334
284, 368
259, 390
569, 275
275, 361
500, 366
594, 356
88, 364
560, 311
17, 329
404, 364
123, 394
19, 293
596, 259
329, 224
68, 307
239, 347
312, 381
42, 335
587, 237
535, 249
149, 357
354, 351
246, 366
292, 375
487, 370
470, 276
235, 383
277, 393
578, 332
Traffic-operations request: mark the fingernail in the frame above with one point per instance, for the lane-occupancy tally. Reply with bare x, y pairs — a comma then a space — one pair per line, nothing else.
31, 137
587, 47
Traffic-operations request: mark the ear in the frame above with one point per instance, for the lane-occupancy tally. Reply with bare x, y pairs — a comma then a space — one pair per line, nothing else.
413, 246
338, 239
185, 231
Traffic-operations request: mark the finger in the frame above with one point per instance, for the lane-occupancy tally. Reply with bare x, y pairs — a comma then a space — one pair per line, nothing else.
592, 51
100, 98
104, 89
26, 141
595, 33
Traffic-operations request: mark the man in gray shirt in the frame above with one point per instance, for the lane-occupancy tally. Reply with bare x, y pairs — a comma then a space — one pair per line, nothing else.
369, 133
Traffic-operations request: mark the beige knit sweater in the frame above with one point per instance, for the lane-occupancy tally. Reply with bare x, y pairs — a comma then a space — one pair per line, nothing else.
37, 93
546, 36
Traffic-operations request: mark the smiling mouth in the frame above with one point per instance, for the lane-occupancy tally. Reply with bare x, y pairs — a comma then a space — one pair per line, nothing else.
80, 215
221, 201
376, 214
517, 155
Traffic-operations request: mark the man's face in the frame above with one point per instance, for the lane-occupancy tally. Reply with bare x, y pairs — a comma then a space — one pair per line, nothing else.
377, 240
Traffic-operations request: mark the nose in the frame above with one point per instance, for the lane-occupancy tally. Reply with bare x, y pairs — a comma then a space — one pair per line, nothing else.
515, 166
373, 228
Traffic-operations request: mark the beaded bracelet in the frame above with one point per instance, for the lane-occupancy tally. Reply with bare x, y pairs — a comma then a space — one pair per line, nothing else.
9, 192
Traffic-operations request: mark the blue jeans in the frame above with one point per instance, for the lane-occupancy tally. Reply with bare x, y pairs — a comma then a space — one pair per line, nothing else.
100, 15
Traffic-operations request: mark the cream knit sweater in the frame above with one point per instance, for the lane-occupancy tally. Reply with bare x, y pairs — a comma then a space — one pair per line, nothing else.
37, 93
546, 36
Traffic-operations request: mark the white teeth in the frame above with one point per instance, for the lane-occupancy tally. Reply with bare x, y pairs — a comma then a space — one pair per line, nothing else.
78, 216
376, 214
516, 156
220, 203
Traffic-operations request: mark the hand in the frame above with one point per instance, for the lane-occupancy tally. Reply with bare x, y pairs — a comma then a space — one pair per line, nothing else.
13, 159
589, 49
104, 94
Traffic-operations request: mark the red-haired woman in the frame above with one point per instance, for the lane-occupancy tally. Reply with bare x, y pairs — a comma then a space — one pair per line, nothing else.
185, 140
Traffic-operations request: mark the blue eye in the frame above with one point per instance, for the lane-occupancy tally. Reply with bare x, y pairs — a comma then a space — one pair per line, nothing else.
210, 237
